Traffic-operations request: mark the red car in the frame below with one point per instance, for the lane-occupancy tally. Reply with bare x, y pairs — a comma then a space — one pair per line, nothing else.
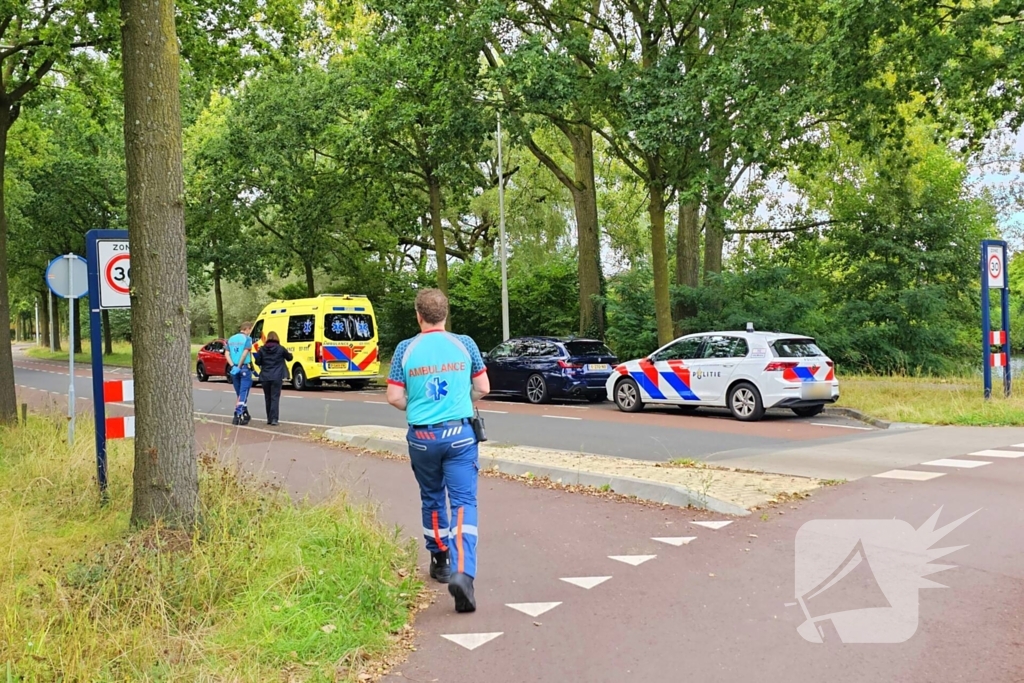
212, 361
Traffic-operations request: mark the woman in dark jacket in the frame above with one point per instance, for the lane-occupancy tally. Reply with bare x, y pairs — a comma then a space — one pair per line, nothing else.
271, 359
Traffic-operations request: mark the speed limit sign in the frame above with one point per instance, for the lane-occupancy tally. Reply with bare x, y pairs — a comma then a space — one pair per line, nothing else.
115, 273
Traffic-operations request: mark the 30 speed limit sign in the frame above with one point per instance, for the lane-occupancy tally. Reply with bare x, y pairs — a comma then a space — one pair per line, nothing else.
115, 271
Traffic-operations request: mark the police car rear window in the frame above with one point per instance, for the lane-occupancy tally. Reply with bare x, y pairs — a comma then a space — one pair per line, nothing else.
348, 327
796, 348
587, 348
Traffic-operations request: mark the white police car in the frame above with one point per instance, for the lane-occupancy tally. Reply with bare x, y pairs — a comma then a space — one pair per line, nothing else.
747, 372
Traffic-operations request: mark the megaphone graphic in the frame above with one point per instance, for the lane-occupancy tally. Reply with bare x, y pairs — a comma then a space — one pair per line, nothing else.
850, 586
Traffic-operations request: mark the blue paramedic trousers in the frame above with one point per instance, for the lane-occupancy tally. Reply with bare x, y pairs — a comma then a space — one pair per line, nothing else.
242, 381
445, 461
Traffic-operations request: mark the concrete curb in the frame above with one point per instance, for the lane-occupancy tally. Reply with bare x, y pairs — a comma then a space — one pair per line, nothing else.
839, 411
653, 491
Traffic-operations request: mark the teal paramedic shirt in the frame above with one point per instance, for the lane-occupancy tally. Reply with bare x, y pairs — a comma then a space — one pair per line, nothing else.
237, 345
437, 370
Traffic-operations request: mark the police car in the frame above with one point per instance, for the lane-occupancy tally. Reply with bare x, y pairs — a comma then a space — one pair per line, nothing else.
746, 372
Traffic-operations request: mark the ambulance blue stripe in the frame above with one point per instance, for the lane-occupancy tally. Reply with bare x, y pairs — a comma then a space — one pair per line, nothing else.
647, 385
339, 308
681, 389
359, 308
804, 373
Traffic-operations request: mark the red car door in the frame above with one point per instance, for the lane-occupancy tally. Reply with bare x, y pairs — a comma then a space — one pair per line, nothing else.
214, 358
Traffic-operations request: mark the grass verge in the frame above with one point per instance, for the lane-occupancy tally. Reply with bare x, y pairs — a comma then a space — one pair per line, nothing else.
122, 356
264, 590
950, 401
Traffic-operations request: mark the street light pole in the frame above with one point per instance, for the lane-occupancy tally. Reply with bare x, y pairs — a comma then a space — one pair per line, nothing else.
501, 231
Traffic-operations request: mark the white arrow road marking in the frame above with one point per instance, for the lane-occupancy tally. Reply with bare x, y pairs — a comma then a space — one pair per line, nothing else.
587, 582
910, 475
953, 462
635, 560
533, 609
471, 641
1002, 454
675, 540
713, 525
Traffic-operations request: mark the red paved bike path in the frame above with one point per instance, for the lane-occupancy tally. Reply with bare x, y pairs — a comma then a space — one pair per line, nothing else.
710, 610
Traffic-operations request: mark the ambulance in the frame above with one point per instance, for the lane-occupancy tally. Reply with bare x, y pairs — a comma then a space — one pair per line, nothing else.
332, 337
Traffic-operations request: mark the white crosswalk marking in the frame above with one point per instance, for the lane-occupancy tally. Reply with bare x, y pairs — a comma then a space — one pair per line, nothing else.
1001, 454
909, 475
953, 462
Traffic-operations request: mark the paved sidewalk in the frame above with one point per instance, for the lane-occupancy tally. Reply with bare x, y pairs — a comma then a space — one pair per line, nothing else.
720, 489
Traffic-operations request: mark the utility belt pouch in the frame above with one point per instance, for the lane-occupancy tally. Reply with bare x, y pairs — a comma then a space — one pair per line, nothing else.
479, 428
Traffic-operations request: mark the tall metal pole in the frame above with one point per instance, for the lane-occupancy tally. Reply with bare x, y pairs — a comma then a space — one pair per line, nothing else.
71, 348
501, 231
37, 322
53, 323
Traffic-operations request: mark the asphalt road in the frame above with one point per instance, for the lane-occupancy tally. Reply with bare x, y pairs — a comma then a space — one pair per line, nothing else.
655, 434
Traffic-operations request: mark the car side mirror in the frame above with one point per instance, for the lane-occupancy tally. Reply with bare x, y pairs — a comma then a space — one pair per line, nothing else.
485, 355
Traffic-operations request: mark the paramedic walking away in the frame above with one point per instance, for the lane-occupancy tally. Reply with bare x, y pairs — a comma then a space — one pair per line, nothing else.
435, 377
240, 371
271, 359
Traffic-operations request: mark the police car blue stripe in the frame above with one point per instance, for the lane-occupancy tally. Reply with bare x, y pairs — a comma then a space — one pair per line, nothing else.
649, 387
681, 389
804, 373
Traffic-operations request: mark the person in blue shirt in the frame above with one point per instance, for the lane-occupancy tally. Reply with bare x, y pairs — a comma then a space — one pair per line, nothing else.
435, 377
239, 367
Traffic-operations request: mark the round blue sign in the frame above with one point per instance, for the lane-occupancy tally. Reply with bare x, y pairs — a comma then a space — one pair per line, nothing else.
68, 276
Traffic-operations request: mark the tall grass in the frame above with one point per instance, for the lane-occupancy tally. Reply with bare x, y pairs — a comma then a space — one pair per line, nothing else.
950, 401
265, 589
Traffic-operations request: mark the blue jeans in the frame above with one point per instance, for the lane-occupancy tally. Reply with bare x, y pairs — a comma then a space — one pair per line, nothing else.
445, 462
242, 381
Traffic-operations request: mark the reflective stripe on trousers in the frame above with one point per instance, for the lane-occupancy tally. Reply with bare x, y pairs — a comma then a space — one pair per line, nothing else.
444, 461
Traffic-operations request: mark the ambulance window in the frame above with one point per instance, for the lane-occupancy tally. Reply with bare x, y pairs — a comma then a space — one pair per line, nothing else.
257, 331
341, 327
301, 328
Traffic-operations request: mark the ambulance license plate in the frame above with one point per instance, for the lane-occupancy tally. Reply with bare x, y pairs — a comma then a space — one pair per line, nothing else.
598, 367
337, 366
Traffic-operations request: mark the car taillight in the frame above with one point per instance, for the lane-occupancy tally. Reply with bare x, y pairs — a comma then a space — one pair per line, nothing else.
830, 364
569, 366
780, 365
318, 353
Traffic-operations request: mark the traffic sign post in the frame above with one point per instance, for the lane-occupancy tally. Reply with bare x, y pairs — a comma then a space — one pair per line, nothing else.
109, 287
66, 276
993, 277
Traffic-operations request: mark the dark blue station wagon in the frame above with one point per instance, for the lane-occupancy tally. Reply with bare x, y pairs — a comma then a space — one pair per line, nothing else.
542, 368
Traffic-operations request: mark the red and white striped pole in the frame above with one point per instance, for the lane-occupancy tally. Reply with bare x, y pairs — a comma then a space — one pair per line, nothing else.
120, 391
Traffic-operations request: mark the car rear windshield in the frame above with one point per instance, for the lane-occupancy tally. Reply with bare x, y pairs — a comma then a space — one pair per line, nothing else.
796, 348
588, 348
348, 327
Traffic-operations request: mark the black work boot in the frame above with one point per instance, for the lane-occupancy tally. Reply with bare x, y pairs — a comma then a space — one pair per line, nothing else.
440, 567
246, 417
234, 420
461, 588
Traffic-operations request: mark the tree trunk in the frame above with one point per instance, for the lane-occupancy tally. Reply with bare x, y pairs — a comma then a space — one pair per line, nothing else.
8, 397
659, 259
437, 231
588, 235
44, 318
218, 297
78, 326
687, 255
108, 335
56, 321
310, 283
166, 483
714, 216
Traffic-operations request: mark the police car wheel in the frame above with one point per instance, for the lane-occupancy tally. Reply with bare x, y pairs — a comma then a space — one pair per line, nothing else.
627, 396
536, 389
299, 381
745, 402
201, 373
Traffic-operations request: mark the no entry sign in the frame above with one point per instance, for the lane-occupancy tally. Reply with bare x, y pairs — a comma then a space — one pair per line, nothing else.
115, 271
